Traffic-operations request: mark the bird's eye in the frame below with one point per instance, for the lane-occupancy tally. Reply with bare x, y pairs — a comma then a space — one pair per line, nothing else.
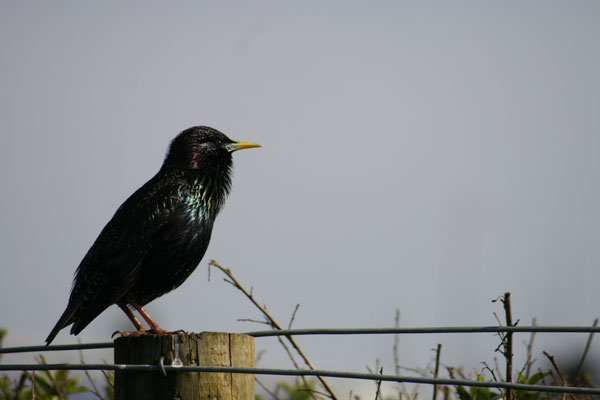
230, 147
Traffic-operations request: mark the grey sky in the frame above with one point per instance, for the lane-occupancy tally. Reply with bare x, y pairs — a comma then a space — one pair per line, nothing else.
426, 156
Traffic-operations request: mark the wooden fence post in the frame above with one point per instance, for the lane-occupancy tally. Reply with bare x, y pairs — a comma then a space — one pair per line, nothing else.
206, 348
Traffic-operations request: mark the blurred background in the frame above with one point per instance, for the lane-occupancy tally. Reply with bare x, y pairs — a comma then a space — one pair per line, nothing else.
420, 156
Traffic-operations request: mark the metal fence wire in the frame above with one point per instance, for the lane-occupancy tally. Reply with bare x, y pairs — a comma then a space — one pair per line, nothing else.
321, 373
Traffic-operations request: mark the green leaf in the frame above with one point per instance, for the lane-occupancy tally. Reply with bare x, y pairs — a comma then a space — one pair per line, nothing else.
535, 378
463, 394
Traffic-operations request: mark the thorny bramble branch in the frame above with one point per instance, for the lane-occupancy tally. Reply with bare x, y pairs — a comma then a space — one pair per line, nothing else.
274, 324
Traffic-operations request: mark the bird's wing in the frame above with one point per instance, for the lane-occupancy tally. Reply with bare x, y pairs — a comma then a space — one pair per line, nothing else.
104, 274
144, 222
112, 265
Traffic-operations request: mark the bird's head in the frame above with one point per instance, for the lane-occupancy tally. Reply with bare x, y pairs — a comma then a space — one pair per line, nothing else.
204, 149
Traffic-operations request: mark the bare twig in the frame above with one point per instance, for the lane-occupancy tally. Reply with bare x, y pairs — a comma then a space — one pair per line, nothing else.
585, 352
273, 395
446, 391
508, 355
293, 315
530, 350
401, 387
437, 369
551, 359
258, 381
525, 365
21, 384
461, 373
378, 391
94, 390
296, 365
259, 356
274, 324
486, 366
396, 340
543, 375
562, 377
416, 370
377, 366
312, 392
256, 321
33, 385
500, 378
497, 317
109, 378
289, 353
42, 360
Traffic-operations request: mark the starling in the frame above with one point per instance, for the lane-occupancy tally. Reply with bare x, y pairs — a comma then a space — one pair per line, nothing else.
158, 236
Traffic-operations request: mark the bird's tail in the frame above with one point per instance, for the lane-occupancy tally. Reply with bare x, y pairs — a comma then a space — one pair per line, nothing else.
65, 320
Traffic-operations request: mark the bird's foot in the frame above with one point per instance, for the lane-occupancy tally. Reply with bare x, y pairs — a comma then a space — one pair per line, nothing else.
157, 330
142, 332
129, 333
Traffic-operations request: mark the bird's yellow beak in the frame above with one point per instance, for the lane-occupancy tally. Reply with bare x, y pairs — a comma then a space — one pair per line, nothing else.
240, 145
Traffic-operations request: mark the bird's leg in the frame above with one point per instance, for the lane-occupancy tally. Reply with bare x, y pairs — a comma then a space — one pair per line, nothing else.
154, 328
138, 325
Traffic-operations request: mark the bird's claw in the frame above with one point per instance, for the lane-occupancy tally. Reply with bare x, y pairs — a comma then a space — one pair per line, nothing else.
130, 333
139, 333
160, 331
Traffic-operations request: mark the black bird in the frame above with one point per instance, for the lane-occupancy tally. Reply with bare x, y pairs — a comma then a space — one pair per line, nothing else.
158, 236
